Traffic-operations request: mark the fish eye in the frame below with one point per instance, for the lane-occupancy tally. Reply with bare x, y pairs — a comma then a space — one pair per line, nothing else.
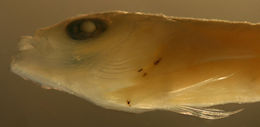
84, 29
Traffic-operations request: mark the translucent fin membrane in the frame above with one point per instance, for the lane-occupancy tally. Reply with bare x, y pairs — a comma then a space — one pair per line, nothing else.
202, 112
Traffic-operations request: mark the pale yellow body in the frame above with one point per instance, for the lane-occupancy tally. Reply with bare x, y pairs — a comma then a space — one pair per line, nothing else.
146, 62
203, 51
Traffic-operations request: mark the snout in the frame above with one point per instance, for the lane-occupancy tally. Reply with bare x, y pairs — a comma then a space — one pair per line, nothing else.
26, 43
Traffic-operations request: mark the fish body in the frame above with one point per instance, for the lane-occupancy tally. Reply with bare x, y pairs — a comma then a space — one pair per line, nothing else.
140, 62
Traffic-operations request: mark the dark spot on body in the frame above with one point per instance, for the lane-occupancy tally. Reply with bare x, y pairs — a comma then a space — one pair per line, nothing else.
140, 70
145, 74
128, 102
157, 61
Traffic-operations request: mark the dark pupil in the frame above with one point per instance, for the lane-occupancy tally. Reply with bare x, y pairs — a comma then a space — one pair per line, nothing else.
75, 32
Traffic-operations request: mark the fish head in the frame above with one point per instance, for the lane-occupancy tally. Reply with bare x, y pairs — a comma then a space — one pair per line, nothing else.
89, 55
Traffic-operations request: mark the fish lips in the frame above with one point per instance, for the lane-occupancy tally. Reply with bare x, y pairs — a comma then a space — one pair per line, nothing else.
26, 43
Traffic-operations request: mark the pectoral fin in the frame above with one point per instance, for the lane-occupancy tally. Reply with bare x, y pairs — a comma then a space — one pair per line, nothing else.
202, 112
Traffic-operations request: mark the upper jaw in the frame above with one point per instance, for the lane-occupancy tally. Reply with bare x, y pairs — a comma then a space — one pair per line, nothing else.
26, 43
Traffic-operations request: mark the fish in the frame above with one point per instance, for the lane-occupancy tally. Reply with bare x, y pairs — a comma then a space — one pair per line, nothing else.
138, 62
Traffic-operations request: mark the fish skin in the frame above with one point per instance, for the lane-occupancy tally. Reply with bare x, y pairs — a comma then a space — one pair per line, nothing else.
144, 62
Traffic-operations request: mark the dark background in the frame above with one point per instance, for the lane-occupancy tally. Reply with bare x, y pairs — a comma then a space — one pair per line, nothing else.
24, 104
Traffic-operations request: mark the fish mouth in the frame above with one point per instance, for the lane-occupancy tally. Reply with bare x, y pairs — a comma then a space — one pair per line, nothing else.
26, 43
26, 69
26, 63
20, 62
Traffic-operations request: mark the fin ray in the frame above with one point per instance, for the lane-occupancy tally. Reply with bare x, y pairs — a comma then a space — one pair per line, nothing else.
204, 112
